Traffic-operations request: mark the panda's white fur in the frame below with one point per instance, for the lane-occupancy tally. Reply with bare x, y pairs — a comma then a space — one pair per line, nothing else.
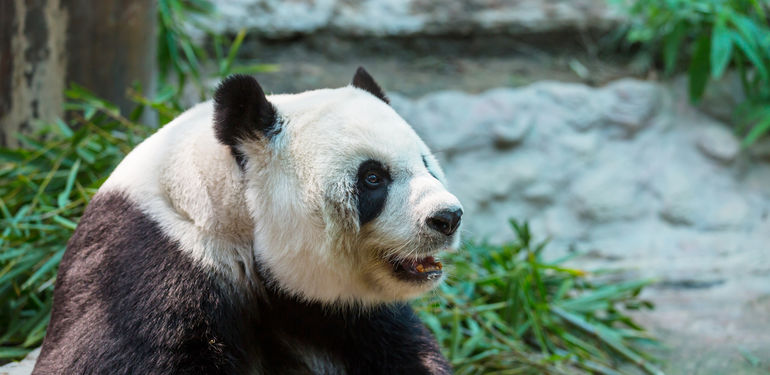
314, 248
196, 197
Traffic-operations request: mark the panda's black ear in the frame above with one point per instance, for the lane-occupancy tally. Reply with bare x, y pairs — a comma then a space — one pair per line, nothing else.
242, 112
364, 81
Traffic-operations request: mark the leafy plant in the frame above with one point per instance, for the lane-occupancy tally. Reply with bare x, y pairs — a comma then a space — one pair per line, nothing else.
44, 189
177, 52
713, 35
506, 310
182, 58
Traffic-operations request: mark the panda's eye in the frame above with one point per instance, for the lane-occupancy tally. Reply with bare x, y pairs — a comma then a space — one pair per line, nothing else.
373, 176
373, 179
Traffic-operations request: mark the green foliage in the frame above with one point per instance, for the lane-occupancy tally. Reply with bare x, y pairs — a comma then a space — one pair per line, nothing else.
44, 188
713, 35
181, 58
177, 51
506, 310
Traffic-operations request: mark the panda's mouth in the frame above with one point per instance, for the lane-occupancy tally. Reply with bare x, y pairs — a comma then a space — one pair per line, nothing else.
417, 269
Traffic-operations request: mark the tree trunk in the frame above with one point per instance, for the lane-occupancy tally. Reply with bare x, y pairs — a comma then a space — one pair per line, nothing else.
104, 45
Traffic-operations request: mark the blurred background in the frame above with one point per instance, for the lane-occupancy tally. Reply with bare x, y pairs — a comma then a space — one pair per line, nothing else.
626, 140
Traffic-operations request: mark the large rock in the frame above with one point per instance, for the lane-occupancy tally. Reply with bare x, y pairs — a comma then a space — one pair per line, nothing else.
718, 143
276, 18
610, 193
630, 177
626, 172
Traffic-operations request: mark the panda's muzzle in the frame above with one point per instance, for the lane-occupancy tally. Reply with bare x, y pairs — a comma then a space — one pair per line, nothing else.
417, 269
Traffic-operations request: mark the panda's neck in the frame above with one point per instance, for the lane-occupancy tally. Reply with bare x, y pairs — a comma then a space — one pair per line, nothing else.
190, 184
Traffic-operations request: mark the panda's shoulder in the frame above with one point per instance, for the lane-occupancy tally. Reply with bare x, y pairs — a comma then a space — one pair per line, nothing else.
120, 263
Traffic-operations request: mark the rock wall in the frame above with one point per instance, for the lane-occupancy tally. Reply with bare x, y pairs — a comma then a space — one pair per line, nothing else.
277, 18
628, 173
628, 177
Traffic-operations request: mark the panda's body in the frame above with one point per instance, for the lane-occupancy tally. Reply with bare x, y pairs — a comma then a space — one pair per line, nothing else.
259, 235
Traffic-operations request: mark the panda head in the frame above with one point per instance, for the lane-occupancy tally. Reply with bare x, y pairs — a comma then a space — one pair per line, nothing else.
350, 207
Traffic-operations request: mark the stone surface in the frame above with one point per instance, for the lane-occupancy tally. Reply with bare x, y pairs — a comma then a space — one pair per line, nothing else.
631, 104
23, 367
630, 152
631, 177
718, 143
280, 19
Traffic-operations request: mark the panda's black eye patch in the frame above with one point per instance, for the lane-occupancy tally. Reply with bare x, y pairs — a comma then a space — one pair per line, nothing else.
372, 181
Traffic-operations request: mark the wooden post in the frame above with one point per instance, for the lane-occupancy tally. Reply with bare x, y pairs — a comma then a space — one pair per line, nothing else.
104, 45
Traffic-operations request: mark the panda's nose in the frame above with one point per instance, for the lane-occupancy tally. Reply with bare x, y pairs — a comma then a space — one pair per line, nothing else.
445, 221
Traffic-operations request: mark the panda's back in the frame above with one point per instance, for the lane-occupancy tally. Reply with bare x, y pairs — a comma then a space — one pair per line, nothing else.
129, 301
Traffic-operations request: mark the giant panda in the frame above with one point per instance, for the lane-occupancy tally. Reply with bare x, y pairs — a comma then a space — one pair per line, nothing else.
259, 234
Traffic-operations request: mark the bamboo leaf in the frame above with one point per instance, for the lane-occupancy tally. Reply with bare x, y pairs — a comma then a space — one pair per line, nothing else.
721, 49
63, 198
699, 68
69, 224
13, 352
52, 262
672, 42
750, 53
227, 64
761, 128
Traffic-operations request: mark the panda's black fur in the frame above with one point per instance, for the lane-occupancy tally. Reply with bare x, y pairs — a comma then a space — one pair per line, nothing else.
240, 100
371, 200
158, 313
128, 300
